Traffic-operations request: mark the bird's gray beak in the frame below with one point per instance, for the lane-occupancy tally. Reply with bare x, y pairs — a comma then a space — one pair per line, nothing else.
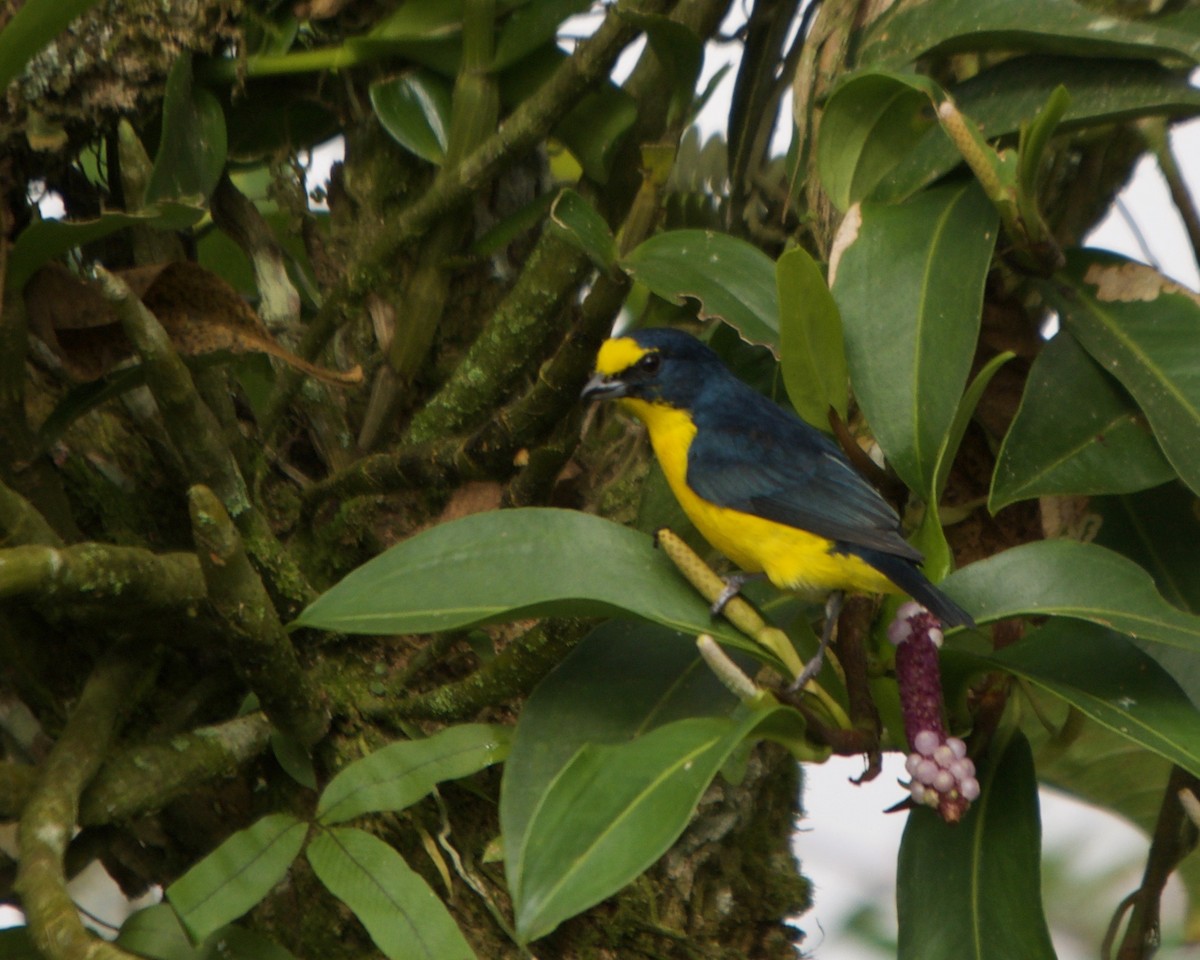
601, 387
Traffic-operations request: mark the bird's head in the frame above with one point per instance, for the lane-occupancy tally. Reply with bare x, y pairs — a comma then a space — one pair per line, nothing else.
657, 366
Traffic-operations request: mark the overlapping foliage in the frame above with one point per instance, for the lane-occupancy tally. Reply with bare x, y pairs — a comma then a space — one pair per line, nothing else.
179, 520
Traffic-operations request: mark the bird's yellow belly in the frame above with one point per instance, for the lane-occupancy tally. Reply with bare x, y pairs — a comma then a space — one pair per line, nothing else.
792, 559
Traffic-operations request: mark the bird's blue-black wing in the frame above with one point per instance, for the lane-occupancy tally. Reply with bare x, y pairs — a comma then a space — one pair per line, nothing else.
750, 455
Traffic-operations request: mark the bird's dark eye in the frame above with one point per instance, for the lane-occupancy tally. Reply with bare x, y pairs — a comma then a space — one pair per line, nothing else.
649, 363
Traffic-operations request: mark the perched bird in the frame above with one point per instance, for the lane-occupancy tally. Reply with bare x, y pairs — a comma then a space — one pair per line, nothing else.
769, 491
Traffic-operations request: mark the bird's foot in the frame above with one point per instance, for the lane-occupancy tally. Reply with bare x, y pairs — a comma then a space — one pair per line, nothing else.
833, 609
733, 586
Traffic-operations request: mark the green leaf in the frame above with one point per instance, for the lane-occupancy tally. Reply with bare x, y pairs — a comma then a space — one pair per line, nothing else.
510, 564
1076, 432
871, 122
623, 679
32, 27
1089, 761
812, 355
585, 227
1052, 26
1072, 579
613, 810
593, 129
16, 944
192, 148
530, 26
962, 419
680, 53
402, 914
156, 932
974, 889
415, 111
1107, 678
730, 279
400, 774
44, 240
910, 287
237, 875
1004, 96
1145, 331
1158, 530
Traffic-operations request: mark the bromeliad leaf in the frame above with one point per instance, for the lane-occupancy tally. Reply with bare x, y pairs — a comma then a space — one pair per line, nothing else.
1097, 443
730, 278
402, 914
237, 875
400, 774
909, 362
508, 564
974, 889
1145, 330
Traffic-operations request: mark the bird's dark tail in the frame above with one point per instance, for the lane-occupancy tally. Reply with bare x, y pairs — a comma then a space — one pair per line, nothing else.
906, 575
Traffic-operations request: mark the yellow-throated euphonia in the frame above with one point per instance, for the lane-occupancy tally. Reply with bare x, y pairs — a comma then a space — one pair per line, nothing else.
766, 489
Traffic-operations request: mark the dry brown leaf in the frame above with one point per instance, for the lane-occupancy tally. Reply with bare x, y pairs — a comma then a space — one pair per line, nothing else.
201, 313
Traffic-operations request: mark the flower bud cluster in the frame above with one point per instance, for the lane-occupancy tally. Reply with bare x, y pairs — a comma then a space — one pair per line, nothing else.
943, 776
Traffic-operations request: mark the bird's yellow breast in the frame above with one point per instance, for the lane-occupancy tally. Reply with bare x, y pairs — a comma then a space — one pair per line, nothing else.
792, 559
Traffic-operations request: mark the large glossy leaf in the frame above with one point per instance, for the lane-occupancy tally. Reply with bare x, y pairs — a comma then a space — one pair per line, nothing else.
509, 564
910, 287
616, 808
530, 26
44, 240
585, 226
402, 914
193, 144
1004, 96
1145, 331
415, 110
1107, 678
400, 774
812, 354
974, 889
729, 278
1089, 761
871, 123
1158, 530
1073, 579
237, 875
34, 25
624, 679
1076, 432
1052, 26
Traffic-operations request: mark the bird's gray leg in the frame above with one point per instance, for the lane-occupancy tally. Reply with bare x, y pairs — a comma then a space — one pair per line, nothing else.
833, 609
733, 586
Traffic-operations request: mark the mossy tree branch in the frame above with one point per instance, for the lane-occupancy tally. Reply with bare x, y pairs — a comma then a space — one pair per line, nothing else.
141, 779
51, 812
197, 436
85, 573
256, 642
520, 132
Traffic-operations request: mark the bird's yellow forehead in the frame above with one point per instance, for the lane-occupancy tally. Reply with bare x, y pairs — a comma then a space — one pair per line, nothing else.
618, 354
